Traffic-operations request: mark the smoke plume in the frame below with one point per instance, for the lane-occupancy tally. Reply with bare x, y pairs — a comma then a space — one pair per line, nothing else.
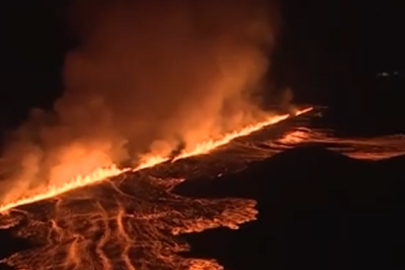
147, 77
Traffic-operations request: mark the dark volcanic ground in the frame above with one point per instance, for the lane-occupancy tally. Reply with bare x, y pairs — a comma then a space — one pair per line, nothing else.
318, 209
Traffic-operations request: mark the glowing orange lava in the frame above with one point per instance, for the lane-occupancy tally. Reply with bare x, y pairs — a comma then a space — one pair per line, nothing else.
146, 162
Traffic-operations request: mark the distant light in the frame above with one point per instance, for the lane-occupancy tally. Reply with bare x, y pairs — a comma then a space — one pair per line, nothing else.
383, 74
386, 74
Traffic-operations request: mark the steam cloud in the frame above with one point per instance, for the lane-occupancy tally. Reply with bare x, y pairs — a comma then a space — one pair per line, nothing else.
148, 77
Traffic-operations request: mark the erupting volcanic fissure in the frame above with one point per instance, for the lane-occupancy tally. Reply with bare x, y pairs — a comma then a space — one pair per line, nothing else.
150, 91
149, 161
130, 220
149, 83
125, 222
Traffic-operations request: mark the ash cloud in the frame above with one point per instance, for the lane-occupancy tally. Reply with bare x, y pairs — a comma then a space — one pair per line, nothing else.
147, 77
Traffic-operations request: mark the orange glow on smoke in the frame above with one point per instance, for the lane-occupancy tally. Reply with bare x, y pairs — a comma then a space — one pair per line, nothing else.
147, 161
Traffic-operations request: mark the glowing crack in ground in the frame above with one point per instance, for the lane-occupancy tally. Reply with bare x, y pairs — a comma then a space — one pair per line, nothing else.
147, 161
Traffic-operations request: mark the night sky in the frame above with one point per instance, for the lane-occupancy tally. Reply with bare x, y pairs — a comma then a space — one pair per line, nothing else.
329, 53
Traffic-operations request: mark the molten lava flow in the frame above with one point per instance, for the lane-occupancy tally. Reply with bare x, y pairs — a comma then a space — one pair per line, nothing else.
146, 162
128, 223
131, 221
